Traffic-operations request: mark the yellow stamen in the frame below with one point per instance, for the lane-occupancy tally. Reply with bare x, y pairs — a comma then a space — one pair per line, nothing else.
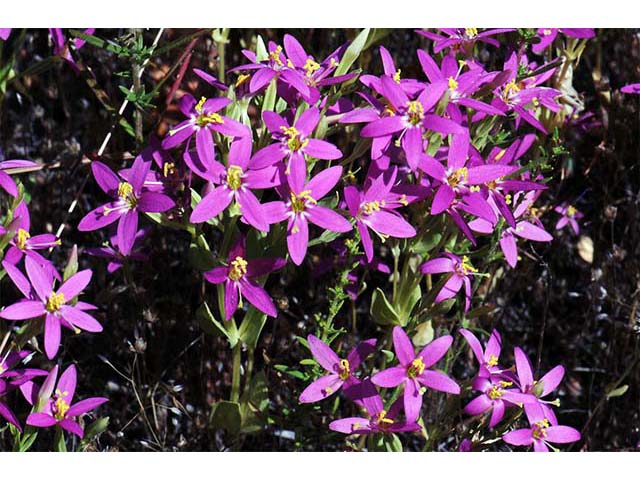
466, 266
415, 112
510, 89
169, 168
275, 56
61, 408
54, 302
345, 370
238, 268
571, 210
416, 368
234, 177
493, 361
403, 200
539, 430
370, 207
242, 79
299, 202
23, 236
311, 66
495, 393
500, 154
293, 138
396, 76
460, 175
125, 192
200, 104
383, 421
453, 84
470, 32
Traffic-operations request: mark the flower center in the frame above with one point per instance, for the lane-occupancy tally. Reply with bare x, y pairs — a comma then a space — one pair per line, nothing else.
493, 361
382, 421
204, 119
54, 302
23, 236
345, 370
275, 56
369, 207
465, 267
311, 66
470, 32
453, 84
415, 112
416, 368
238, 269
125, 192
571, 211
539, 429
294, 142
234, 177
496, 392
459, 176
510, 89
60, 408
299, 202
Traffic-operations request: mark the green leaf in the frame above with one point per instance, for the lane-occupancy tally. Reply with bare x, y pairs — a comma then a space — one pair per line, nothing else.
212, 326
90, 39
261, 50
95, 429
254, 404
352, 53
424, 334
227, 415
200, 255
618, 392
251, 327
72, 264
381, 310
269, 102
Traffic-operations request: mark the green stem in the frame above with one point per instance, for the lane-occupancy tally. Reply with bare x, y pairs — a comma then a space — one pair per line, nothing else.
235, 379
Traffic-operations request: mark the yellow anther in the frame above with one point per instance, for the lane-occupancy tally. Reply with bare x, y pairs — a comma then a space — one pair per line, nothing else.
290, 63
396, 76
415, 112
200, 104
510, 89
546, 32
500, 154
505, 384
388, 111
275, 56
203, 120
460, 175
403, 200
475, 188
169, 168
23, 236
311, 66
495, 393
54, 302
571, 210
383, 421
535, 102
234, 177
345, 370
333, 62
493, 361
453, 84
299, 202
242, 79
470, 32
125, 189
293, 138
238, 268
416, 368
466, 266
370, 207
508, 198
61, 408
539, 429
462, 63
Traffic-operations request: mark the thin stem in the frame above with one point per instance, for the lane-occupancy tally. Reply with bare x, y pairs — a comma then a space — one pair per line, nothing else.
235, 379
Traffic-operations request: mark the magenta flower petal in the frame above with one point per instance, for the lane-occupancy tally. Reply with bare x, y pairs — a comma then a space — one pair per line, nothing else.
551, 380
509, 248
412, 400
403, 346
252, 210
391, 224
360, 352
382, 127
328, 219
562, 434
211, 205
435, 350
497, 413
391, 377
154, 202
97, 218
40, 420
106, 179
478, 405
308, 121
258, 297
72, 427
442, 199
40, 281
519, 437
321, 388
52, 335
323, 354
322, 150
23, 310
523, 367
127, 229
76, 284
217, 275
437, 265
85, 406
81, 320
298, 239
474, 343
231, 299
532, 232
350, 425
438, 381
